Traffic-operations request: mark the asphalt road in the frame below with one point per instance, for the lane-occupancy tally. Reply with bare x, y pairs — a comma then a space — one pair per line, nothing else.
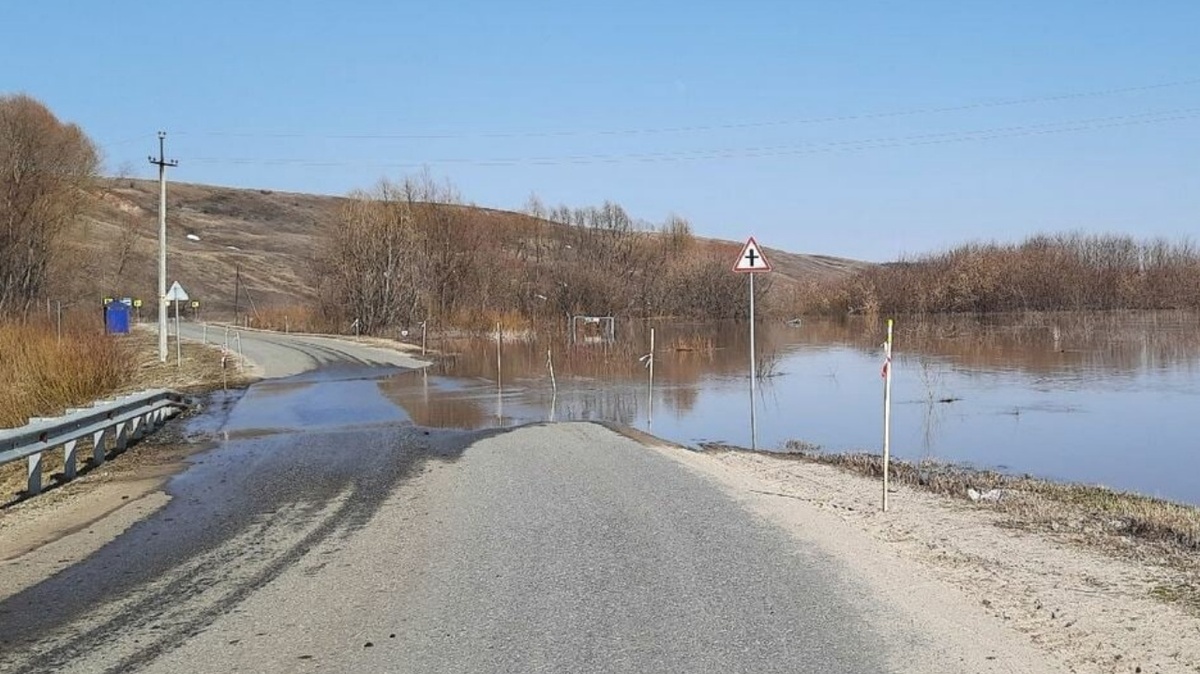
358, 542
283, 355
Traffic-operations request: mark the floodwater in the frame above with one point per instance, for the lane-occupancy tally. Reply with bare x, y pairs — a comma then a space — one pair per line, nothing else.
1101, 399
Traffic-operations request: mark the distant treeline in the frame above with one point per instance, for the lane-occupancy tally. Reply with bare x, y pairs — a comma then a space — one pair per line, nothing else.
412, 251
1043, 273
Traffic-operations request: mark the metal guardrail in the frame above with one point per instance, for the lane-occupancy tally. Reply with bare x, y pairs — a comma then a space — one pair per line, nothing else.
115, 421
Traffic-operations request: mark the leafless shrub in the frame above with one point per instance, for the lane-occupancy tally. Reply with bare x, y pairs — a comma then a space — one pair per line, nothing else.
411, 251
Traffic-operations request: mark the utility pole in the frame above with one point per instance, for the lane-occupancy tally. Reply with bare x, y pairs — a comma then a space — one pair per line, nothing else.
237, 289
162, 165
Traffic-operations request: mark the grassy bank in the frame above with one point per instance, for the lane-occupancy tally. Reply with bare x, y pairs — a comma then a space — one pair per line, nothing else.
1132, 526
44, 373
41, 375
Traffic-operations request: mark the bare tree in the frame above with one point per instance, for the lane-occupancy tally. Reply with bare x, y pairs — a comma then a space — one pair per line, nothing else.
365, 265
46, 169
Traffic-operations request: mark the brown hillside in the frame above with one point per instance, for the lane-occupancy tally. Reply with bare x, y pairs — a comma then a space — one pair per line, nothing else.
268, 235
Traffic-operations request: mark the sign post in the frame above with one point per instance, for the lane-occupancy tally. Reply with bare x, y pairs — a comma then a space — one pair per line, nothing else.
751, 261
176, 295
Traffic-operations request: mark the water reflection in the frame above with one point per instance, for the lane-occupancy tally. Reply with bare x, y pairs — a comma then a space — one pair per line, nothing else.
1097, 398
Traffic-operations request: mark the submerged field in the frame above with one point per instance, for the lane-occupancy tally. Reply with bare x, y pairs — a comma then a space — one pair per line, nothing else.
1097, 398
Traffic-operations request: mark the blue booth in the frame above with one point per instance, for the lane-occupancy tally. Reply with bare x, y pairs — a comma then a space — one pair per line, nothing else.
116, 318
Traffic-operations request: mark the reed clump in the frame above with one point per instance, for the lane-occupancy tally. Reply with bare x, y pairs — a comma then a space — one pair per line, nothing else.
693, 343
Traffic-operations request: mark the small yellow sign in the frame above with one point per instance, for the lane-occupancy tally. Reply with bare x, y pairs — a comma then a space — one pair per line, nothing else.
195, 304
107, 300
137, 303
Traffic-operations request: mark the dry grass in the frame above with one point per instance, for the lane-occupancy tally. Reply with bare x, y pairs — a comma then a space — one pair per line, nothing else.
512, 324
43, 375
290, 318
201, 368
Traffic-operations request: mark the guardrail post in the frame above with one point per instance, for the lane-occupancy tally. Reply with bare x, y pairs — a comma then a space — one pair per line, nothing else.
34, 474
69, 459
98, 446
121, 437
136, 428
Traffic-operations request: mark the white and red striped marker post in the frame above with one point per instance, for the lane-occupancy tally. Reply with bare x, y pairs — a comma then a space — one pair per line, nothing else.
887, 410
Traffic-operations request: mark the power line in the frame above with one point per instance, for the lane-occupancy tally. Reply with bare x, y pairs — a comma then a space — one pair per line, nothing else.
1049, 128
978, 105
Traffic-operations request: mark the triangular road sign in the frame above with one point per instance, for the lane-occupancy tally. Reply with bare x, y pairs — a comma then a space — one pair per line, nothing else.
751, 259
177, 293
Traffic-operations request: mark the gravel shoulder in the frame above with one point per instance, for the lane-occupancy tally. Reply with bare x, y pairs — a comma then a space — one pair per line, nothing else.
958, 570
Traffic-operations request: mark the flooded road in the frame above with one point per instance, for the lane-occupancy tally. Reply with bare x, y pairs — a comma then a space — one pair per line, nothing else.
295, 465
1094, 398
328, 527
325, 532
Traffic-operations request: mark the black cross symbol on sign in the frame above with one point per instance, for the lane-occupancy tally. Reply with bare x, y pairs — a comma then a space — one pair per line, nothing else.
753, 256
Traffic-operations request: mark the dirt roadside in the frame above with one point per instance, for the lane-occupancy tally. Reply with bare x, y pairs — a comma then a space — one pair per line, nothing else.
936, 560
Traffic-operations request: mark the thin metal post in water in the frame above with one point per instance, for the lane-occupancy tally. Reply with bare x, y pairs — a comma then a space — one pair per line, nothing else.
753, 372
887, 411
499, 339
650, 390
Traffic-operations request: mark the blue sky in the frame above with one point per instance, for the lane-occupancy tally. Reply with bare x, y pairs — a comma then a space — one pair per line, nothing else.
719, 112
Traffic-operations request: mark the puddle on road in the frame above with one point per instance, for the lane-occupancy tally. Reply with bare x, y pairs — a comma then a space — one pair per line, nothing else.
320, 400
